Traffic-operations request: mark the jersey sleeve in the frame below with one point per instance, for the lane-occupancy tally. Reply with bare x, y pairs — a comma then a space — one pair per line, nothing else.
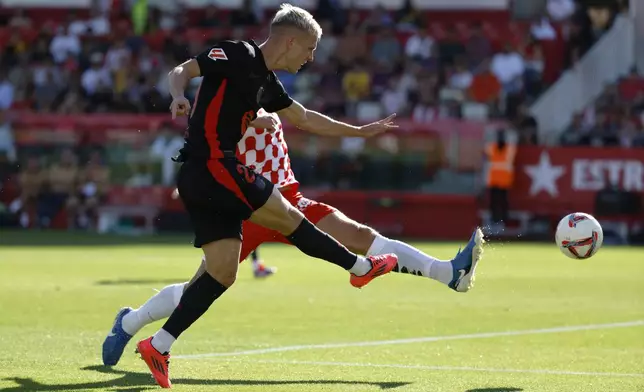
275, 97
223, 58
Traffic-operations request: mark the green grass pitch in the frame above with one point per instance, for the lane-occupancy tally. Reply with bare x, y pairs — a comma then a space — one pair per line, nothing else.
306, 329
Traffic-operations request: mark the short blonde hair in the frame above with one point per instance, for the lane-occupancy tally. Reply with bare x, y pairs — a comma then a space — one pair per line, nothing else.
289, 15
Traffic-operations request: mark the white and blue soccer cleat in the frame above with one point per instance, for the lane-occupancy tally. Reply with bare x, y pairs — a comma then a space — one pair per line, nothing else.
465, 262
116, 340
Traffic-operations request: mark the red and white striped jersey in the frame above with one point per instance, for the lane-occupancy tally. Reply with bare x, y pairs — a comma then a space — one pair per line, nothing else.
267, 153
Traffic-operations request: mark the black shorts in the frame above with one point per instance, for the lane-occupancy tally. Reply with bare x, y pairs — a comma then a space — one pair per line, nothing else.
219, 194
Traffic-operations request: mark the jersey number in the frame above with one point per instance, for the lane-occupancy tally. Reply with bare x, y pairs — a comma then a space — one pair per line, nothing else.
248, 174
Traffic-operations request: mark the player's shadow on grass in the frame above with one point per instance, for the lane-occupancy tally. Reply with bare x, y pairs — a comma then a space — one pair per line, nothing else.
123, 282
138, 382
503, 389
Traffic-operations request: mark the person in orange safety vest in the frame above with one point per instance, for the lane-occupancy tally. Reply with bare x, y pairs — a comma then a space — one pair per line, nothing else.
500, 156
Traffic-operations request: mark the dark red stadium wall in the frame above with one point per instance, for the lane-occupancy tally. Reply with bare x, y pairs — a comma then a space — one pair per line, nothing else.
408, 215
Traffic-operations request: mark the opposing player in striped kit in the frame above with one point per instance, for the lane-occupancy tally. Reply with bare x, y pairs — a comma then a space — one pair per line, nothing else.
265, 150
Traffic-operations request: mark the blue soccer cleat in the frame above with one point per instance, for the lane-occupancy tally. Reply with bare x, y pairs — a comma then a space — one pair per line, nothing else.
116, 340
464, 264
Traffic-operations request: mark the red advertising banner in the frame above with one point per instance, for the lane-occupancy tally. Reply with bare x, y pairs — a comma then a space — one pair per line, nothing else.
553, 180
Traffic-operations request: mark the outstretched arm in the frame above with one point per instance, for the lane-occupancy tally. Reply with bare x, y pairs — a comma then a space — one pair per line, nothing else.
180, 75
314, 122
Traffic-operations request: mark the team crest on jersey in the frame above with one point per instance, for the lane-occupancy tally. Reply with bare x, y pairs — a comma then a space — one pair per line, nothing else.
217, 54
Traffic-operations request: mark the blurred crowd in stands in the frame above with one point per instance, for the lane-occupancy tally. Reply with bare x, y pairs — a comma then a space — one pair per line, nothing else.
367, 64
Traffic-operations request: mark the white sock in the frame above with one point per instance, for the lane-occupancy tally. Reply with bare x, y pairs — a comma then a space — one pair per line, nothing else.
162, 341
160, 306
411, 260
361, 267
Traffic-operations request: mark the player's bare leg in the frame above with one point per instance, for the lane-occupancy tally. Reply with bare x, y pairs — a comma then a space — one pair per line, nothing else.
221, 264
364, 240
279, 215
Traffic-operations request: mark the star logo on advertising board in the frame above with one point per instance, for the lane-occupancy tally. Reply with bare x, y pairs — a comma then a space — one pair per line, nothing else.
544, 176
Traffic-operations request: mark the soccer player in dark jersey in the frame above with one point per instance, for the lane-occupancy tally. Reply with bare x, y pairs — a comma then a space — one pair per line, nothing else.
219, 192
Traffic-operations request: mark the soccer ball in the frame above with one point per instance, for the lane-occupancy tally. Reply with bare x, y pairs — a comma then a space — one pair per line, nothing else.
579, 235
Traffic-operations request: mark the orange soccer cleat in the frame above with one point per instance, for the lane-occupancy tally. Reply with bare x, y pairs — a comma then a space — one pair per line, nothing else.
380, 265
157, 362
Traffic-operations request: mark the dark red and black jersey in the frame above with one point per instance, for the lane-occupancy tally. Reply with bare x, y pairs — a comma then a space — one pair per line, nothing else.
235, 84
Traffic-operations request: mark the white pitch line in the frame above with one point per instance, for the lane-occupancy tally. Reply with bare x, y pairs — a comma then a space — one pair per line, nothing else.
440, 368
483, 335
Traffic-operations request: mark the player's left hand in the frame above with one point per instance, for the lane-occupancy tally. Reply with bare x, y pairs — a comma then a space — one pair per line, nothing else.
378, 127
267, 122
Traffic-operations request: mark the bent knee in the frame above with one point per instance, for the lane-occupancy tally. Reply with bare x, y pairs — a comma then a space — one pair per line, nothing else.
360, 239
289, 221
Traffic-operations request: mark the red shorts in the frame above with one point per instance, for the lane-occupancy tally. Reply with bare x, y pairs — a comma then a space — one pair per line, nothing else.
255, 235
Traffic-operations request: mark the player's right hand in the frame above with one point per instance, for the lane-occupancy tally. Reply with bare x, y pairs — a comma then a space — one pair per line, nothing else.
180, 106
377, 127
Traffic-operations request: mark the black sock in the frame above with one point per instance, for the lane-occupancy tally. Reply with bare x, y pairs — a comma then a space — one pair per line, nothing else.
194, 302
255, 256
315, 243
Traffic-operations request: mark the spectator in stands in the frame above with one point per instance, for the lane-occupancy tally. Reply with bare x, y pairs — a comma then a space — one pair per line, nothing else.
166, 144
580, 37
327, 45
542, 30
409, 18
451, 47
420, 45
73, 101
377, 19
94, 182
356, 85
20, 77
30, 181
477, 47
352, 47
60, 191
527, 126
47, 92
77, 26
576, 134
508, 67
211, 17
485, 87
244, 16
97, 83
534, 67
560, 10
40, 51
7, 170
333, 12
14, 48
6, 91
460, 77
386, 49
428, 109
117, 56
20, 19
394, 98
64, 44
628, 134
601, 16
141, 176
7, 143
